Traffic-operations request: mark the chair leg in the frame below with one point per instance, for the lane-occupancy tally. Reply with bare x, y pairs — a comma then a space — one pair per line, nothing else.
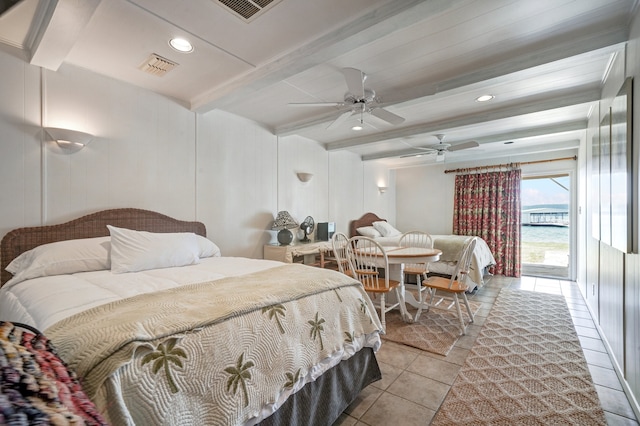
421, 299
457, 303
382, 314
466, 303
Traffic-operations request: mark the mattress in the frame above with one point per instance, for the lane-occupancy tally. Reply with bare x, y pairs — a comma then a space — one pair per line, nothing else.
132, 392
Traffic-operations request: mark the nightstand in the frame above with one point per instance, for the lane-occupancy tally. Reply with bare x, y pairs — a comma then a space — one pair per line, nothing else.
306, 253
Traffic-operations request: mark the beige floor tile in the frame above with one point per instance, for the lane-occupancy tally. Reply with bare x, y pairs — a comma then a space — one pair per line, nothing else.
421, 390
363, 402
393, 410
435, 369
389, 374
395, 354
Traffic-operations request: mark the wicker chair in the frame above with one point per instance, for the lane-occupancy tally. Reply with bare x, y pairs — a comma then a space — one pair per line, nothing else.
369, 262
454, 287
420, 270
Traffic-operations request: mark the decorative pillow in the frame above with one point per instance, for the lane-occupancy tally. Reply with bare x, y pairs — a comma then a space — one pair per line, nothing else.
207, 247
62, 257
133, 251
368, 231
385, 229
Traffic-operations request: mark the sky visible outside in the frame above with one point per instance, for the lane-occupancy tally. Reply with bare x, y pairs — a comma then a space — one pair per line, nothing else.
544, 191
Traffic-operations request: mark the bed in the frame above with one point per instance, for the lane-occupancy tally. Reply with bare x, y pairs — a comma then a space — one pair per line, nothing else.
163, 329
450, 245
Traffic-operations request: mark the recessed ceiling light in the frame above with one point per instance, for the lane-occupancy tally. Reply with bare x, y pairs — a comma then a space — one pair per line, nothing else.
484, 98
181, 45
357, 127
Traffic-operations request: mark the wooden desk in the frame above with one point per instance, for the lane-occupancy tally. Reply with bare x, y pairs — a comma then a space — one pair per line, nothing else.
397, 257
306, 252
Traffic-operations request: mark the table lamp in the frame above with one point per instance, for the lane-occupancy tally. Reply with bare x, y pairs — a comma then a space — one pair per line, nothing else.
284, 222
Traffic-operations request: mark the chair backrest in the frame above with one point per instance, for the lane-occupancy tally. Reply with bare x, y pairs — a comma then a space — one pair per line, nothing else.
464, 261
339, 243
367, 257
416, 239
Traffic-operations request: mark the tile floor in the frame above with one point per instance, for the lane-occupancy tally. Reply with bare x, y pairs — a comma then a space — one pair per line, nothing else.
414, 382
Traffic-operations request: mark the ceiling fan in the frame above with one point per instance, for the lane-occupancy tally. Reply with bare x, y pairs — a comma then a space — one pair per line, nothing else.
358, 100
441, 147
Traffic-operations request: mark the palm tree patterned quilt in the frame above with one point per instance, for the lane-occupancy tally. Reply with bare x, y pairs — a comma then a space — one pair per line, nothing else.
228, 352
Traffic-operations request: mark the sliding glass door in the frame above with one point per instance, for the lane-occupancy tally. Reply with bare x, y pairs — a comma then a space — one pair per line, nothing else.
546, 248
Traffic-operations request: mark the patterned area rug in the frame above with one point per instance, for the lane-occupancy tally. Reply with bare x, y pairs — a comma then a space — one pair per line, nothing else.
436, 330
526, 367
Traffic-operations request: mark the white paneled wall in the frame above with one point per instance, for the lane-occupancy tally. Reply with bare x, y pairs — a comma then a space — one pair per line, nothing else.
383, 204
143, 150
302, 199
425, 199
236, 180
151, 152
20, 148
345, 186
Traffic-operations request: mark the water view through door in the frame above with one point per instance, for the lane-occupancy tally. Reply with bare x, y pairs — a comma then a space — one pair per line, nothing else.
546, 224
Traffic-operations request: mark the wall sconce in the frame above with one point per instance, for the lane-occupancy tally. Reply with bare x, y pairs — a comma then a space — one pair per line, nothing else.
382, 189
69, 141
304, 177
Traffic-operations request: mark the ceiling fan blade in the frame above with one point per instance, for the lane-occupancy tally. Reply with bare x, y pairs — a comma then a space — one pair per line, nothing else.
355, 81
387, 116
341, 119
464, 145
316, 104
419, 154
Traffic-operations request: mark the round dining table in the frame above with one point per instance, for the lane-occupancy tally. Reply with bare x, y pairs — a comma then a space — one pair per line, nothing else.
397, 257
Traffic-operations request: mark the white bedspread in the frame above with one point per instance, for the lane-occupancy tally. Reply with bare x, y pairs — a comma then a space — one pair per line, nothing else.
48, 300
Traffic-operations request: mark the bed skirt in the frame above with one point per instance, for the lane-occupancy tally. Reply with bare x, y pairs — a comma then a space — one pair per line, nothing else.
321, 402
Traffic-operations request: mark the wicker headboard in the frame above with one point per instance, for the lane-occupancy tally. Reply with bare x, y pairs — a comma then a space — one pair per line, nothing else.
20, 240
366, 220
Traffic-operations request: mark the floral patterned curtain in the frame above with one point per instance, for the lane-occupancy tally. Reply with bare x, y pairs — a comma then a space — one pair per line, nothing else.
487, 205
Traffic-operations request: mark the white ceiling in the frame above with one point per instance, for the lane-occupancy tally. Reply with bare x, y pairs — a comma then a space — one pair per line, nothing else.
427, 60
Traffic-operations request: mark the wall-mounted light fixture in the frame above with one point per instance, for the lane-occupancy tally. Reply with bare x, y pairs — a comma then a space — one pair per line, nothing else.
69, 141
304, 177
382, 189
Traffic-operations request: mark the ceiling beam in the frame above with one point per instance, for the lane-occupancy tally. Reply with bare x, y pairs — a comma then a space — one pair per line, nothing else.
556, 100
498, 137
60, 27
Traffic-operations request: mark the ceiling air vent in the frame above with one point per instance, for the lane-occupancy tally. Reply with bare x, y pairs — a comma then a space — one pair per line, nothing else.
248, 10
157, 65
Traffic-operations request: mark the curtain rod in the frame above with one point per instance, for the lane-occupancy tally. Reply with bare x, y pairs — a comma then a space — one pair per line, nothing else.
498, 166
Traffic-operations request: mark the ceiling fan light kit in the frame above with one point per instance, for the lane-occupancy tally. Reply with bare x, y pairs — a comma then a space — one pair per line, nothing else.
440, 148
358, 100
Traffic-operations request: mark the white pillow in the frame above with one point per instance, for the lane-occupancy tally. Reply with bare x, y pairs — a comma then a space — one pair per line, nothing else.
62, 257
385, 229
207, 248
368, 231
133, 251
